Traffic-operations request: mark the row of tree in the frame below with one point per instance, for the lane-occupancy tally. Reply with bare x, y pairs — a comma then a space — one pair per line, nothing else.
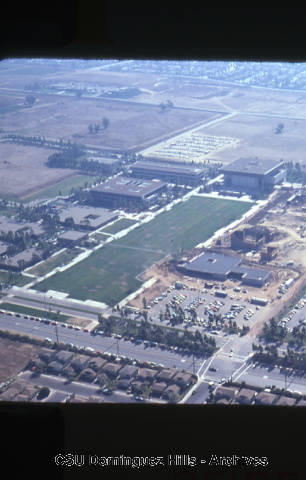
196, 343
269, 355
296, 172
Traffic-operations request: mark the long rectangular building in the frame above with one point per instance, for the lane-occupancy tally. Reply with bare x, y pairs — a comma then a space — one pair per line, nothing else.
180, 174
126, 191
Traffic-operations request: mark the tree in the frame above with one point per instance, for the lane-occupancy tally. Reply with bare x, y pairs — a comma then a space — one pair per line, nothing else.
29, 100
105, 122
279, 128
144, 302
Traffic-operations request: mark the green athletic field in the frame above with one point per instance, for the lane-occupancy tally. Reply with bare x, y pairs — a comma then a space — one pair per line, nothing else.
109, 274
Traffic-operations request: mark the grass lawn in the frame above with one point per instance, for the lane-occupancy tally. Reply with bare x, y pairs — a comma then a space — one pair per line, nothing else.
11, 307
56, 261
116, 227
109, 274
63, 187
13, 278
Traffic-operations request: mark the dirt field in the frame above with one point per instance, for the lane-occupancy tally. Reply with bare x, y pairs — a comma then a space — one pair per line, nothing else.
257, 138
14, 356
24, 170
130, 125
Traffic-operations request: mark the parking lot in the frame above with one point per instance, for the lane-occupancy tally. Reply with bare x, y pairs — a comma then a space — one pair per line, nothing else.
296, 316
210, 310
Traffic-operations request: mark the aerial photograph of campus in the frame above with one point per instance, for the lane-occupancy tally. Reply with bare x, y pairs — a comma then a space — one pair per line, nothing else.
152, 232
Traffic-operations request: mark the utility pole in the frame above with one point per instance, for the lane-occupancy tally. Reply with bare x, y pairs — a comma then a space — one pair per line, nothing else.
56, 333
118, 348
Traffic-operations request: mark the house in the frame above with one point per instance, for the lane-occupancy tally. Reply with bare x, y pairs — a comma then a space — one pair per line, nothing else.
128, 371
68, 371
46, 354
79, 362
137, 386
123, 384
87, 375
55, 367
29, 391
286, 401
9, 394
166, 374
245, 396
183, 380
78, 399
111, 369
171, 390
146, 374
63, 356
225, 392
223, 401
39, 364
96, 363
95, 399
102, 379
158, 388
21, 398
265, 398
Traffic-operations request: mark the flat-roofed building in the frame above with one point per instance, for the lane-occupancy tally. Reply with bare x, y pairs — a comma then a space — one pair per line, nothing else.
22, 259
126, 191
7, 225
253, 173
169, 172
72, 237
84, 217
219, 266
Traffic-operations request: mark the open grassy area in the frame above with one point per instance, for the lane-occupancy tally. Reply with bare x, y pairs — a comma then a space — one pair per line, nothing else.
12, 307
13, 278
61, 188
109, 274
53, 262
116, 227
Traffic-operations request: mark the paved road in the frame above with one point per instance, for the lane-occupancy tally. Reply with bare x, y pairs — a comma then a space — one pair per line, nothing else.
98, 343
263, 377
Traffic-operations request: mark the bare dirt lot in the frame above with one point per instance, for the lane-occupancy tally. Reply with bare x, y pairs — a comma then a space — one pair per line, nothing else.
131, 125
24, 170
14, 356
258, 138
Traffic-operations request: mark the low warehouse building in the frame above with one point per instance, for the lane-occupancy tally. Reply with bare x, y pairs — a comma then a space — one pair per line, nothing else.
71, 238
253, 174
219, 266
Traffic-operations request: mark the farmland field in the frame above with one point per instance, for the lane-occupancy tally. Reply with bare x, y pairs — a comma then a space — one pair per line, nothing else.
109, 274
25, 171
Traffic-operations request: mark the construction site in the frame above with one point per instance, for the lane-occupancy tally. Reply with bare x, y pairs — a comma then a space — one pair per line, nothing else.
273, 240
